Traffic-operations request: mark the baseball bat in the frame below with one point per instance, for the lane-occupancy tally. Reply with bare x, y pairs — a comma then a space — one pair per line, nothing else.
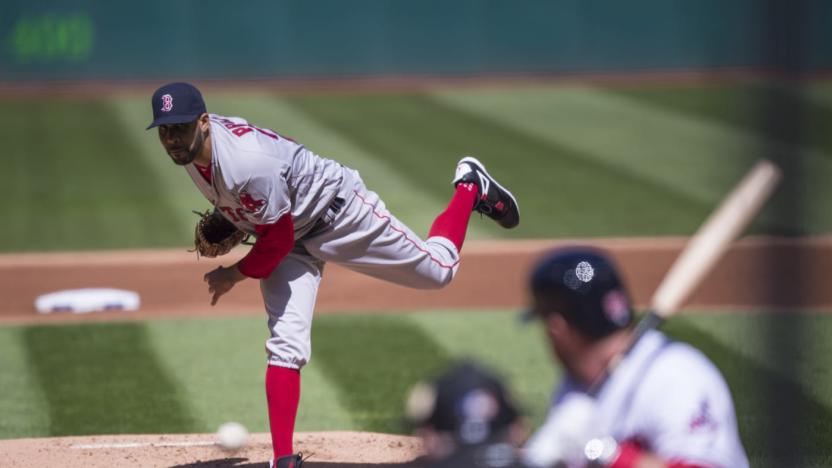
704, 249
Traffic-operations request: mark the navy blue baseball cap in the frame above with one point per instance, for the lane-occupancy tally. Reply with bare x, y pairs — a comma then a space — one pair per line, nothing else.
581, 284
176, 103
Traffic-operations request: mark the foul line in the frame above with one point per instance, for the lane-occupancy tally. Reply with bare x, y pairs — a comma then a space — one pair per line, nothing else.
140, 444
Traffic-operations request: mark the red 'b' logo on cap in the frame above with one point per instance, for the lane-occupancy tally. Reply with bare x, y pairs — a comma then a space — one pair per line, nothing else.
167, 103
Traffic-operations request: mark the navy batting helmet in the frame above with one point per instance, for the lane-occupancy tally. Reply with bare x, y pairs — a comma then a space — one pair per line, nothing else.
583, 286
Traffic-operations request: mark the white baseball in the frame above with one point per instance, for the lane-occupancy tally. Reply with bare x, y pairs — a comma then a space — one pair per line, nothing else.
232, 436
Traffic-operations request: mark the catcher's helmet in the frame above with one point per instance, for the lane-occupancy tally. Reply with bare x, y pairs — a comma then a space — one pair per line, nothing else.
466, 401
583, 286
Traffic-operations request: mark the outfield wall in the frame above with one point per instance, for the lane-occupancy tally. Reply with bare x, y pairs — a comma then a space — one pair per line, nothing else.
153, 39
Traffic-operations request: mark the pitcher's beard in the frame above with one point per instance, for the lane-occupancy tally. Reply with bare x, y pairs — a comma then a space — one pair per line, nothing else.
199, 142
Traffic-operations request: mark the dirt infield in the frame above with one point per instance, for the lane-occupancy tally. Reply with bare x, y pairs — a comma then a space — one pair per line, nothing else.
320, 449
756, 273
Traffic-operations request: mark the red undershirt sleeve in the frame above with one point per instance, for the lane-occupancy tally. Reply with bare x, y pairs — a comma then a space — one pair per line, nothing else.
274, 242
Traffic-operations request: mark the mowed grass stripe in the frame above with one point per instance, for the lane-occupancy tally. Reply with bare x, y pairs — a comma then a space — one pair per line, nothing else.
321, 407
514, 350
22, 405
561, 192
373, 361
799, 141
411, 202
78, 182
684, 153
104, 379
211, 359
786, 124
220, 367
750, 108
671, 150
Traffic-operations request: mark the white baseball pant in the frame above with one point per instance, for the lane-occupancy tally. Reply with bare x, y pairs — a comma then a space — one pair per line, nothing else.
365, 237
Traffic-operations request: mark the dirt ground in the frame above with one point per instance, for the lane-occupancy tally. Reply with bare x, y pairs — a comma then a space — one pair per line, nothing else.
320, 450
757, 273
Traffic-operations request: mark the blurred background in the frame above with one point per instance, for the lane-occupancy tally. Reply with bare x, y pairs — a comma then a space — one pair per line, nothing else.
606, 119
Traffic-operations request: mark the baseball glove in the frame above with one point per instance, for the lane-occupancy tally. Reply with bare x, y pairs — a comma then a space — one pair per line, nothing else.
215, 235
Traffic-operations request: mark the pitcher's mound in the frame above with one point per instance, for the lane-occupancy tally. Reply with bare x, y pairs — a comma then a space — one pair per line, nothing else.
323, 449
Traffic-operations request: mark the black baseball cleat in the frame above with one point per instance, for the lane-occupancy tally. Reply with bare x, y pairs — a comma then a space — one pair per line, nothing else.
288, 461
493, 200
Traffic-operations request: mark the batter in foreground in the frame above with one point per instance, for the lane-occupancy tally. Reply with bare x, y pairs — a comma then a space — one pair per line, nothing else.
666, 404
305, 210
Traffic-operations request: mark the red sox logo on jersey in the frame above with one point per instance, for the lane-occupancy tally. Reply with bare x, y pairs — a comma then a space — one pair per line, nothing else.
167, 103
251, 203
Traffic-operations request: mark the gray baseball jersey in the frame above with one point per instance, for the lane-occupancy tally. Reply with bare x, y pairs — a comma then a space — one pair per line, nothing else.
258, 176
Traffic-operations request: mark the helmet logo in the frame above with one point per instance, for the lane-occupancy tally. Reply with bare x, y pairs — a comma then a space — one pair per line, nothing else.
584, 271
477, 408
578, 279
167, 103
616, 307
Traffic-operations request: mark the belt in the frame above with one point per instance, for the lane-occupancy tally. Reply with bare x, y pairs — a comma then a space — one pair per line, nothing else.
328, 217
336, 205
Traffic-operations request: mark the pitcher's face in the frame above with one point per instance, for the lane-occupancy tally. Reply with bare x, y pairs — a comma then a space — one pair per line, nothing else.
182, 142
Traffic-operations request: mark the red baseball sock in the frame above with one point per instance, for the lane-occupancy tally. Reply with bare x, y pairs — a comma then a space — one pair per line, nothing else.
282, 395
453, 222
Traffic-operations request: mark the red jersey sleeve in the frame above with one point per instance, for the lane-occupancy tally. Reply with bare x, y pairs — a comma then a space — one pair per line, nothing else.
274, 242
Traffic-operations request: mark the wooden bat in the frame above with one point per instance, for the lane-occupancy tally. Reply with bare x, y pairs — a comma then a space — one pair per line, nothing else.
702, 252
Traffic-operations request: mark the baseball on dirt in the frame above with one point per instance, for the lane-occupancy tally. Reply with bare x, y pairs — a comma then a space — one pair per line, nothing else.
232, 436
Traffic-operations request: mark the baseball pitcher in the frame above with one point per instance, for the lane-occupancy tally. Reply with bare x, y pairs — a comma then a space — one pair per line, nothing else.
304, 210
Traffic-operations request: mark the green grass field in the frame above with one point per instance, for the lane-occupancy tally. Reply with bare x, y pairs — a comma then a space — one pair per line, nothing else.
583, 161
192, 375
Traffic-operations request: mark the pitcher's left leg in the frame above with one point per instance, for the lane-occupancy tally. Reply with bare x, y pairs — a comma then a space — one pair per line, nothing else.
289, 295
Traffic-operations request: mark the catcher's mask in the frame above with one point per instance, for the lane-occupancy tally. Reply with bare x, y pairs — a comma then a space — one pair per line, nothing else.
466, 401
582, 285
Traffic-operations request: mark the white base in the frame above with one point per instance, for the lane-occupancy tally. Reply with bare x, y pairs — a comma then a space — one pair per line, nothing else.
82, 301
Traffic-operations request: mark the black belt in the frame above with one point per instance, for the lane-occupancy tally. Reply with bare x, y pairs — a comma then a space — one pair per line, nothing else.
327, 217
336, 205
